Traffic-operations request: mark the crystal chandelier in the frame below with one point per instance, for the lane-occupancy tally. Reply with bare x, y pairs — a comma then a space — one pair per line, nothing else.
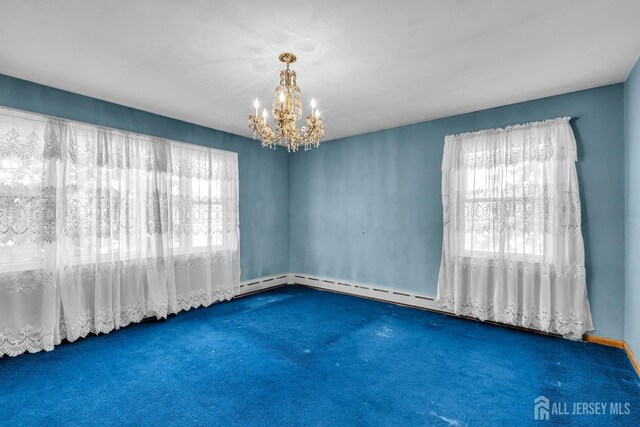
287, 109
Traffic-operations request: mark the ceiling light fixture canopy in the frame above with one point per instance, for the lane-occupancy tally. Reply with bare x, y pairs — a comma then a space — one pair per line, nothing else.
287, 109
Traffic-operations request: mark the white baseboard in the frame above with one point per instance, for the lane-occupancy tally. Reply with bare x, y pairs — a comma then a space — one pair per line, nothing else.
358, 289
380, 293
263, 283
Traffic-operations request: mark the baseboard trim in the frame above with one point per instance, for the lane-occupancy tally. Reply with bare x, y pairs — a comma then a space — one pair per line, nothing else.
368, 291
610, 342
394, 296
260, 284
632, 358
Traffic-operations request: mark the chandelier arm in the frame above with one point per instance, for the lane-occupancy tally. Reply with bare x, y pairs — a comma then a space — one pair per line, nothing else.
309, 132
272, 139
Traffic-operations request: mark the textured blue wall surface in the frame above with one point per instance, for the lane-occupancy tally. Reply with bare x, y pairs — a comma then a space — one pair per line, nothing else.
368, 208
632, 210
264, 174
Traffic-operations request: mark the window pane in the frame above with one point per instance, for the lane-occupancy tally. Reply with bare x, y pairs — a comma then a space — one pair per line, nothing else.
504, 209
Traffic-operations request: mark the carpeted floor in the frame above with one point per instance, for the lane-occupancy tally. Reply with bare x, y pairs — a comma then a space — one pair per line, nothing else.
296, 356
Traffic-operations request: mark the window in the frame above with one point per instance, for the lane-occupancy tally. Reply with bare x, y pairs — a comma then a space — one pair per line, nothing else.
100, 194
197, 208
21, 198
100, 228
512, 248
504, 209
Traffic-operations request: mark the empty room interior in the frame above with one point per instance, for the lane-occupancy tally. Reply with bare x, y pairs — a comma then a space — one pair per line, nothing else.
335, 213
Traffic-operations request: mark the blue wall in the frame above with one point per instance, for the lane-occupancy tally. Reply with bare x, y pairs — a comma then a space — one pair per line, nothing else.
368, 208
264, 174
632, 209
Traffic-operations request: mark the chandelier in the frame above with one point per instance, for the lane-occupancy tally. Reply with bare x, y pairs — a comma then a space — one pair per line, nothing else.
287, 109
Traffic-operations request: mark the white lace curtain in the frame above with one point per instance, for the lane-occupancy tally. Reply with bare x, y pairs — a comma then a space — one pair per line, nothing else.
100, 228
512, 249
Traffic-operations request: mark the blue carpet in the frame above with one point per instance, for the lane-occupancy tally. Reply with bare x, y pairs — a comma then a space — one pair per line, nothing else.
296, 356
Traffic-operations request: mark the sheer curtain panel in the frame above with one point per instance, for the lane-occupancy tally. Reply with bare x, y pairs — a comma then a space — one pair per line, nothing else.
100, 228
512, 249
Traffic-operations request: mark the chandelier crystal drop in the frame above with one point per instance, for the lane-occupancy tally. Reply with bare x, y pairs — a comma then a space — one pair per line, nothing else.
287, 109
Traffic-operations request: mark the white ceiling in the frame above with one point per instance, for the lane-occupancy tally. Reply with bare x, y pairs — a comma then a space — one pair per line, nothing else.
370, 64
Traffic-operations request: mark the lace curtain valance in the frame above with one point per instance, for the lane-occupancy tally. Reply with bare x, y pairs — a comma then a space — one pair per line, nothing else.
100, 228
512, 246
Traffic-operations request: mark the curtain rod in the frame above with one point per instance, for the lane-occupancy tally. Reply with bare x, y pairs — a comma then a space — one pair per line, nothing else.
513, 127
23, 114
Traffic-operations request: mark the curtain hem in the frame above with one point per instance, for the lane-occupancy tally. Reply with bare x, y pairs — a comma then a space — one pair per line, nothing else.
31, 339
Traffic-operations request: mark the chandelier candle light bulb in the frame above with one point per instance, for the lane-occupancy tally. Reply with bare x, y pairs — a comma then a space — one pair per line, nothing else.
287, 109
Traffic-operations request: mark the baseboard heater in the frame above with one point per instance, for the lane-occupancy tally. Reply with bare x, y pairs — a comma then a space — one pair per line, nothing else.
393, 296
374, 292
